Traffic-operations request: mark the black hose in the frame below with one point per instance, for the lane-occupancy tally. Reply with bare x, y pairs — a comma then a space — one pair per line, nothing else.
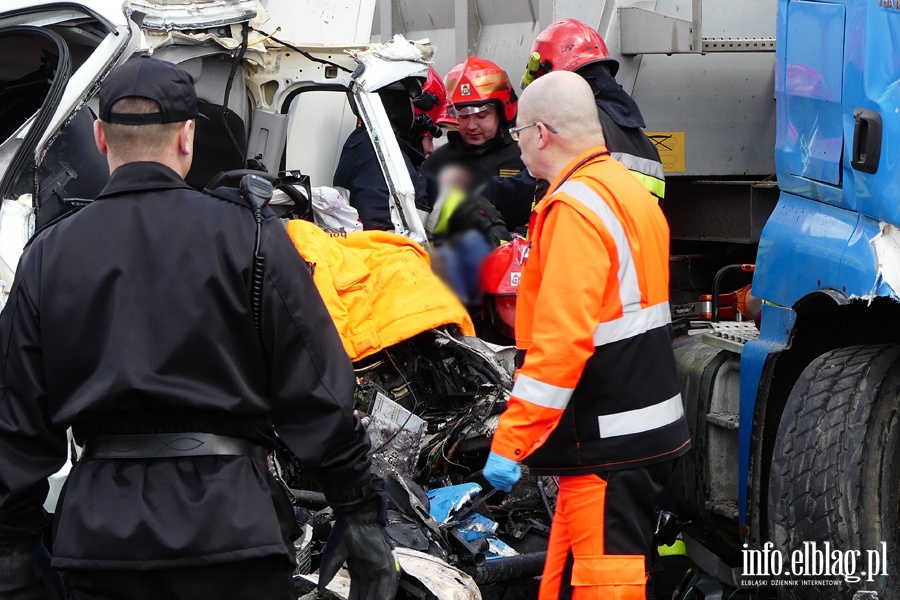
303, 52
543, 494
235, 63
302, 204
507, 568
473, 553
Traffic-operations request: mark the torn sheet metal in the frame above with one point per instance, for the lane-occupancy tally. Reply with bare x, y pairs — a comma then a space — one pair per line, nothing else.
887, 256
447, 501
193, 14
227, 36
450, 501
436, 576
392, 61
396, 435
442, 580
478, 527
501, 358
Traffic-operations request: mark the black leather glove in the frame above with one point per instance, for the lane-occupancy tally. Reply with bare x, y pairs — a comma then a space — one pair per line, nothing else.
25, 573
359, 539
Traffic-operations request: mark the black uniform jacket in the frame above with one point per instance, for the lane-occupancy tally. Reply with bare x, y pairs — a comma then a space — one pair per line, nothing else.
498, 157
133, 316
359, 172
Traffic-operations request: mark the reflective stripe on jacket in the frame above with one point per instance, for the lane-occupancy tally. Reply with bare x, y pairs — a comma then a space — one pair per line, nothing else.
598, 389
631, 147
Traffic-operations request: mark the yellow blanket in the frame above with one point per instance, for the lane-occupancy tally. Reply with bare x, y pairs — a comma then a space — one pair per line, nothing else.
378, 287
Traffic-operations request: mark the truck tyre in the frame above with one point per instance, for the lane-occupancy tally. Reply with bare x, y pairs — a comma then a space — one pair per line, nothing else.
835, 474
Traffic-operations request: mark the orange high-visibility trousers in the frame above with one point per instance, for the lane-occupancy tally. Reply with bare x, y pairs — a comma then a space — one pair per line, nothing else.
602, 535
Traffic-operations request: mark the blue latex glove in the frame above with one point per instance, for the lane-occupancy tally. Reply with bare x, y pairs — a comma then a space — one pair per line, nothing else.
501, 472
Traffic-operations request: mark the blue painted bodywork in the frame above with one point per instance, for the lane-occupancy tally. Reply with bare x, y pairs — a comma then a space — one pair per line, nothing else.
451, 506
447, 501
832, 58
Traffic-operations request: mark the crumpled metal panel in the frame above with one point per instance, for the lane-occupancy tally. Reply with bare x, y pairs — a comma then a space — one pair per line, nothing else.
110, 12
439, 578
887, 256
392, 61
447, 501
396, 436
500, 358
193, 14
442, 580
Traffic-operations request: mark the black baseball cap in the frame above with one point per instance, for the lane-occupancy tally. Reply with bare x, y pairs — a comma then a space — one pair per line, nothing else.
146, 77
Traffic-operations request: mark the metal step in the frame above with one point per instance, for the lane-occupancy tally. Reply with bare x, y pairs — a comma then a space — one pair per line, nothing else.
724, 508
726, 420
728, 335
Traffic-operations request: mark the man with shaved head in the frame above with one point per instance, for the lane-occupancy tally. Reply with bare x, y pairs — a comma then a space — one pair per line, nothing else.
596, 399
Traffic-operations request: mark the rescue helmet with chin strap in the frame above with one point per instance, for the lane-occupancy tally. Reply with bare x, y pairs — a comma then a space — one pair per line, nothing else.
428, 104
477, 83
566, 45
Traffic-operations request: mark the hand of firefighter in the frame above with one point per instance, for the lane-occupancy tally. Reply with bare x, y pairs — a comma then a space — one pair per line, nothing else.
501, 472
25, 572
359, 539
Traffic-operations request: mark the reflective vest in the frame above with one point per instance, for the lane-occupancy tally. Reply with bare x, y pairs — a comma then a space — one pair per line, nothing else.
598, 389
631, 147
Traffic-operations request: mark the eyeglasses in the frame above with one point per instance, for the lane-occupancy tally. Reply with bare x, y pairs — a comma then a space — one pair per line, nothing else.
514, 131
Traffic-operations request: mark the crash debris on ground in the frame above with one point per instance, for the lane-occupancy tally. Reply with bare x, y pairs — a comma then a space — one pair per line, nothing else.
431, 404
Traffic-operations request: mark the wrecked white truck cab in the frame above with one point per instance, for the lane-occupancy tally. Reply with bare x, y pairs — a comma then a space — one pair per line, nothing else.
282, 105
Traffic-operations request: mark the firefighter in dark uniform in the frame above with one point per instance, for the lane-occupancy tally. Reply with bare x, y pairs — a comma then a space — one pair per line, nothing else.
132, 322
412, 105
484, 103
570, 45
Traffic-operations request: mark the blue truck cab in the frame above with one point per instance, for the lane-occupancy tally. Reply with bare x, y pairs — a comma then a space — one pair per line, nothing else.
811, 443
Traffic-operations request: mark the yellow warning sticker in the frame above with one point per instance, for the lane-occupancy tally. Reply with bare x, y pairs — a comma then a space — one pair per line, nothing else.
670, 145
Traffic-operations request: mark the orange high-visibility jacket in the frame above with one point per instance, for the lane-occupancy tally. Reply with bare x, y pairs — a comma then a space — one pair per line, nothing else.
378, 287
598, 389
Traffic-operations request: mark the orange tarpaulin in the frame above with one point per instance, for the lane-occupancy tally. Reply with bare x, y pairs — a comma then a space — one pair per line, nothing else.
378, 287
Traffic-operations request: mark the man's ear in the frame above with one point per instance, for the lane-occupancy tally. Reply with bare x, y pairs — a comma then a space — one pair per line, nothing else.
545, 134
100, 137
186, 138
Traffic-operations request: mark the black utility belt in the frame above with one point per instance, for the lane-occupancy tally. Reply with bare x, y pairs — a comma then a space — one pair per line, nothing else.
169, 445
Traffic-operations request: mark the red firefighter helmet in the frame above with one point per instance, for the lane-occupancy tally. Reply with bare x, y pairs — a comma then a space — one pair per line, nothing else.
477, 81
500, 273
567, 45
429, 103
445, 121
